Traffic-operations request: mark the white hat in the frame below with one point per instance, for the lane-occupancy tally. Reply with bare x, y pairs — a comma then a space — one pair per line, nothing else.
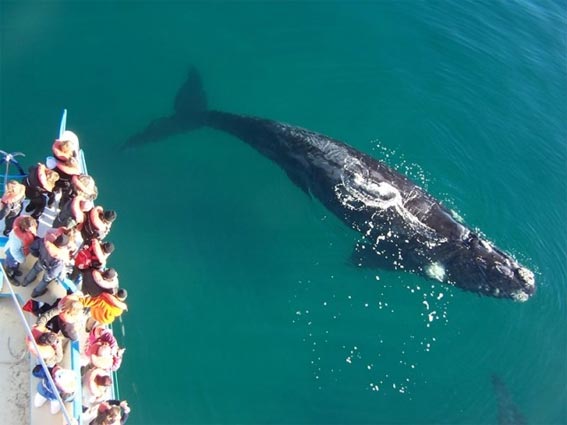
71, 137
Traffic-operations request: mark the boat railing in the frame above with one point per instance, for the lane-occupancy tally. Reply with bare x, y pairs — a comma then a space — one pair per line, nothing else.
18, 307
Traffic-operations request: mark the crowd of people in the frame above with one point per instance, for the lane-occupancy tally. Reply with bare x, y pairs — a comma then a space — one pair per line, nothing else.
73, 250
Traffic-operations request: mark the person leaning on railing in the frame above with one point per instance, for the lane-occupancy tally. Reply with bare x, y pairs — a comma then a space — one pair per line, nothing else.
97, 384
111, 412
106, 307
67, 317
39, 184
18, 245
65, 384
11, 204
92, 255
52, 258
66, 150
49, 345
100, 336
97, 223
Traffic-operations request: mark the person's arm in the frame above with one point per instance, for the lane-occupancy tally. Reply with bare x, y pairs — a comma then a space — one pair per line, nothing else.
17, 248
125, 412
58, 351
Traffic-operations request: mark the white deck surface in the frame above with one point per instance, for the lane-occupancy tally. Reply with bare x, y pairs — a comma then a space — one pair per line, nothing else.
14, 368
17, 385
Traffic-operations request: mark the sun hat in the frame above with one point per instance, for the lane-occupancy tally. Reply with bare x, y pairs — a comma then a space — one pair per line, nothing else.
103, 357
69, 136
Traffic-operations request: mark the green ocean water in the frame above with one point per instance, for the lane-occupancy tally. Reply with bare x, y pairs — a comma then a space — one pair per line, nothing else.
244, 308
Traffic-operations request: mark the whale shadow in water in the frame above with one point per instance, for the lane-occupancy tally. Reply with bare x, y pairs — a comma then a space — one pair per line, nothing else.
508, 411
402, 226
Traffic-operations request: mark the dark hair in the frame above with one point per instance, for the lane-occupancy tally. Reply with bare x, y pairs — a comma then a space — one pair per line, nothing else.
27, 222
47, 338
109, 215
62, 240
112, 414
109, 274
122, 294
103, 380
107, 247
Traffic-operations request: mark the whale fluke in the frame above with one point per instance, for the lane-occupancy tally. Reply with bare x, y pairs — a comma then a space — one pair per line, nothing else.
191, 99
190, 109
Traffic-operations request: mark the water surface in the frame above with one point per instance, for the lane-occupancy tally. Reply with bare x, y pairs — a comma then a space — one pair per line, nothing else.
244, 308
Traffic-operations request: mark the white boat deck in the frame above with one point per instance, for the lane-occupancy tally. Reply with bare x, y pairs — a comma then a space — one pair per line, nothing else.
14, 367
17, 385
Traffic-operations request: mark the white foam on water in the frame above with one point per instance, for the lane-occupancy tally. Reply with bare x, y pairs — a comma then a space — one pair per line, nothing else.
384, 360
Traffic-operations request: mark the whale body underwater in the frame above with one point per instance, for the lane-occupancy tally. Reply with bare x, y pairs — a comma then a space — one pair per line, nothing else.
403, 227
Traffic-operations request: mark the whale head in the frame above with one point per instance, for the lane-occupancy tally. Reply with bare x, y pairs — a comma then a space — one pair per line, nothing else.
476, 265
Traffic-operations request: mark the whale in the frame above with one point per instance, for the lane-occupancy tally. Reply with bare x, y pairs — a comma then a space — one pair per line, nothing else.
402, 227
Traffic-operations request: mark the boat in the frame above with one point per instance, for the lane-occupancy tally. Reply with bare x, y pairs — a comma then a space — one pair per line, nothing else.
17, 383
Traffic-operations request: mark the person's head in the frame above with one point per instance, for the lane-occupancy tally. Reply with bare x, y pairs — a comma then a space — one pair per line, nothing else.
51, 176
73, 233
121, 294
47, 338
103, 380
27, 224
15, 192
103, 356
61, 241
104, 349
107, 279
65, 146
109, 274
107, 247
69, 137
109, 216
112, 416
13, 186
85, 186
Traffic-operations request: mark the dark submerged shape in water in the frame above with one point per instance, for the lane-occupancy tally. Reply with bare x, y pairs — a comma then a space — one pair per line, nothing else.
508, 411
403, 226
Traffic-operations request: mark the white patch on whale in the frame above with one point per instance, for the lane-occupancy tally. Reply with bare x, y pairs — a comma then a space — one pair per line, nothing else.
457, 216
520, 296
527, 276
435, 271
360, 191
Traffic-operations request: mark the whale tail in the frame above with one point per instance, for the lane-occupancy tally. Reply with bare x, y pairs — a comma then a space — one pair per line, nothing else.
190, 110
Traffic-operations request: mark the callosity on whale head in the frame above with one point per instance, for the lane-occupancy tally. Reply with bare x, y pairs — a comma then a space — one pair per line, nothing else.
474, 264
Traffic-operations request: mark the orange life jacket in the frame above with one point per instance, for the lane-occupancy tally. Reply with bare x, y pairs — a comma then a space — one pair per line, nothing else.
105, 307
26, 237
